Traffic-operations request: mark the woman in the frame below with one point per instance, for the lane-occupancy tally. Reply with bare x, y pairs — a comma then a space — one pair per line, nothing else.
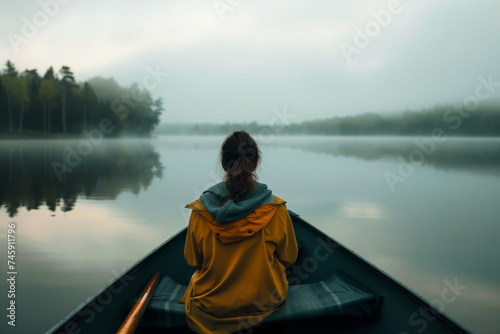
241, 240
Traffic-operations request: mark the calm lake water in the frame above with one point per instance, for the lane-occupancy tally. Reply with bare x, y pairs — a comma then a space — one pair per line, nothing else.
423, 212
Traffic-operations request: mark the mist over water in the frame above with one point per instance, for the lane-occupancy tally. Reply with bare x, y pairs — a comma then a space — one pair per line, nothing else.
78, 230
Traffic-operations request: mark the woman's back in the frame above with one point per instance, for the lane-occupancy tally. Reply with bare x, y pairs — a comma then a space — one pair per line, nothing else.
241, 245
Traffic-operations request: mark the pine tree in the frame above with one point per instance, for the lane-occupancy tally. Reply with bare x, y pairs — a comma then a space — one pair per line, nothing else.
33, 81
10, 69
67, 84
8, 82
49, 75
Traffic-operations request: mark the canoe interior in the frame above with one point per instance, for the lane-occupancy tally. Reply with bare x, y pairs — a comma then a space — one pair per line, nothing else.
403, 311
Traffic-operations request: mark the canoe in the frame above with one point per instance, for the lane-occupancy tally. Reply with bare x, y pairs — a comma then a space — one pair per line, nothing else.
332, 289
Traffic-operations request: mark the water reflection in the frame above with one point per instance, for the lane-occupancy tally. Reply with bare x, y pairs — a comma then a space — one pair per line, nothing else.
55, 173
477, 155
362, 210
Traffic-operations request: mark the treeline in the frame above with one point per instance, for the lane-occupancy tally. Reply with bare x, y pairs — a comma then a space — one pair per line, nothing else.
483, 121
56, 103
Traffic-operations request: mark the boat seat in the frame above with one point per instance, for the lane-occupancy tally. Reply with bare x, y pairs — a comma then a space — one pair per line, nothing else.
337, 295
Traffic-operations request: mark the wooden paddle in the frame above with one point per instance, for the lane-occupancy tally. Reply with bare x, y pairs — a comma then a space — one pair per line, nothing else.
132, 321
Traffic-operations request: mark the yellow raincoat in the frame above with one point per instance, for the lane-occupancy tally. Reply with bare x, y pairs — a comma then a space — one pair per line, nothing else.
240, 267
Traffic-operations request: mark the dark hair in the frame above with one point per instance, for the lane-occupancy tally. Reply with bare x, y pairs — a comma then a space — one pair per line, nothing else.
240, 156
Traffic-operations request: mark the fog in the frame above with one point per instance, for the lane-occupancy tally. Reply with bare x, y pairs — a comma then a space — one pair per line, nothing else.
235, 61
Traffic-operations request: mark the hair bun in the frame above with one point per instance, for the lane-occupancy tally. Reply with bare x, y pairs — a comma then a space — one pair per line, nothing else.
240, 156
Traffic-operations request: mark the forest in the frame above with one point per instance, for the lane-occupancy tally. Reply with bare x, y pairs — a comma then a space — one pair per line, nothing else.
56, 104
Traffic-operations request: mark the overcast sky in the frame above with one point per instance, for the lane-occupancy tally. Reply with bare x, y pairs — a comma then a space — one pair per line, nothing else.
236, 60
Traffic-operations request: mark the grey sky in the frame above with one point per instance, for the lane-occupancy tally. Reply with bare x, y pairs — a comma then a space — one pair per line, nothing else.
266, 54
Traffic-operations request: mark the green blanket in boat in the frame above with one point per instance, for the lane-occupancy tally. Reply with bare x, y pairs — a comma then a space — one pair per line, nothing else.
335, 296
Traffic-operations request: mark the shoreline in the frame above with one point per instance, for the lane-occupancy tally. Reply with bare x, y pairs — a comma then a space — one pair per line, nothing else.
62, 136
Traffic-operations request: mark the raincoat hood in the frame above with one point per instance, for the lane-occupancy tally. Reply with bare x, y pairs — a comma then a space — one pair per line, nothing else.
236, 221
232, 211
